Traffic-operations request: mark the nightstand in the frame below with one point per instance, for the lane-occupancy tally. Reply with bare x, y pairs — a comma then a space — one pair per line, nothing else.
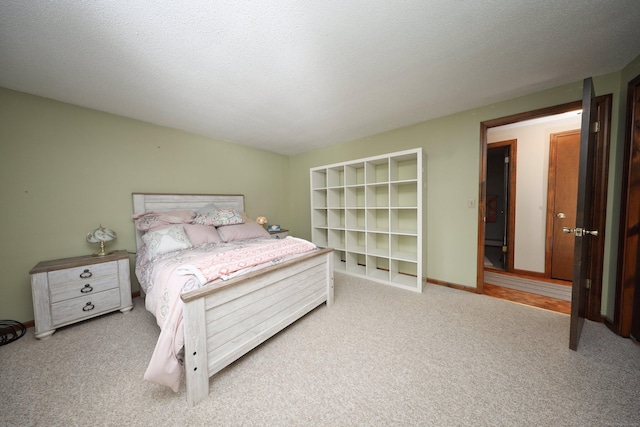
279, 234
70, 290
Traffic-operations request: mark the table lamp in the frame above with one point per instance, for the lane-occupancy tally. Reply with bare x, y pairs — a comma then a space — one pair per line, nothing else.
261, 220
101, 235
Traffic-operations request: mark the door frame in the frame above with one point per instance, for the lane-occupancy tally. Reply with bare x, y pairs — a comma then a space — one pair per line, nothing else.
628, 251
604, 105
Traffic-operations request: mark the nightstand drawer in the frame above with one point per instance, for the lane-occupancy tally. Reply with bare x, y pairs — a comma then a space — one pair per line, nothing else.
79, 288
79, 308
82, 273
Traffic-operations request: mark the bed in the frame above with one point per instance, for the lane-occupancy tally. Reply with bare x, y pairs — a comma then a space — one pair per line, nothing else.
214, 320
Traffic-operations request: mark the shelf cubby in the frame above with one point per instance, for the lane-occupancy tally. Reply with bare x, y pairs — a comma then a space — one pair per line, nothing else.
377, 170
378, 268
319, 198
335, 198
356, 263
377, 196
404, 195
356, 219
319, 236
339, 260
404, 221
336, 218
336, 239
370, 212
403, 247
405, 273
403, 168
318, 179
356, 242
355, 197
319, 217
354, 173
378, 244
378, 220
335, 177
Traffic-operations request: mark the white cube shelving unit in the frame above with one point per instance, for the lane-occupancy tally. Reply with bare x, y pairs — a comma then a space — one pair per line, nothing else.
370, 211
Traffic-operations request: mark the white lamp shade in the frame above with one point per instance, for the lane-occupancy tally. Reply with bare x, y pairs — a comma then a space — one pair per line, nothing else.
101, 234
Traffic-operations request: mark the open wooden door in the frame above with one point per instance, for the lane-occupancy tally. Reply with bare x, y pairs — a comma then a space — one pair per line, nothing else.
583, 231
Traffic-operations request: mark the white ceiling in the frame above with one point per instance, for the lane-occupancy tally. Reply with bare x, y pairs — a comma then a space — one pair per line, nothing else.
289, 76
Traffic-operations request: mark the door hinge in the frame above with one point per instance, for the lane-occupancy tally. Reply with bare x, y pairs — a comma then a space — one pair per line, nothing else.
587, 283
595, 127
506, 159
504, 249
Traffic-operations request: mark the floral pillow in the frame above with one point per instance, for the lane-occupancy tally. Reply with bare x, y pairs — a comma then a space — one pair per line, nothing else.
150, 220
220, 217
166, 240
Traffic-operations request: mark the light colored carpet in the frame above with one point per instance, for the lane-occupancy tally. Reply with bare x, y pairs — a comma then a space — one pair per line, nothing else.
380, 356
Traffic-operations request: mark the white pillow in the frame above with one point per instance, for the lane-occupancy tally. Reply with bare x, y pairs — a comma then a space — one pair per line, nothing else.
166, 240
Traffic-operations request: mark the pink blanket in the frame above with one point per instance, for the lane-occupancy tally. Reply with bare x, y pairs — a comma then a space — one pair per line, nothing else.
188, 270
224, 264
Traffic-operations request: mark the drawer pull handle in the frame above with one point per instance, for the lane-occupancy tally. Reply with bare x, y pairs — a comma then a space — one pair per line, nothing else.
88, 306
87, 288
86, 274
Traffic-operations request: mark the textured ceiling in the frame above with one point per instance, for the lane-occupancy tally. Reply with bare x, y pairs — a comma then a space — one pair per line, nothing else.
289, 76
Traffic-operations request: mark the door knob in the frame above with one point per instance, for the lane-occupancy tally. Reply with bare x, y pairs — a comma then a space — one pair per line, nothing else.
560, 215
579, 232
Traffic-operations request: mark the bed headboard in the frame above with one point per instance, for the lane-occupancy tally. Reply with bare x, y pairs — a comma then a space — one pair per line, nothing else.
164, 202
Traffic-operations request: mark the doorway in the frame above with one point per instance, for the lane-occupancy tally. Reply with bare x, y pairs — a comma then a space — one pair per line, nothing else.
500, 205
536, 266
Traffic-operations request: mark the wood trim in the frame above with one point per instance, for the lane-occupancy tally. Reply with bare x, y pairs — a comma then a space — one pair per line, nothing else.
628, 239
599, 204
451, 285
527, 298
529, 273
482, 200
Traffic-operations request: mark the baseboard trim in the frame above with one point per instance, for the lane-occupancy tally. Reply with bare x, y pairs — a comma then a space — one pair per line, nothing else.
451, 285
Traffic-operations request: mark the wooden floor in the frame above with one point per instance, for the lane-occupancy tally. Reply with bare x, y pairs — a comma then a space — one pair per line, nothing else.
526, 298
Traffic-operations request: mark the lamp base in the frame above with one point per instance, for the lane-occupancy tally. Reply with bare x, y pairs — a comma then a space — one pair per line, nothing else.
103, 253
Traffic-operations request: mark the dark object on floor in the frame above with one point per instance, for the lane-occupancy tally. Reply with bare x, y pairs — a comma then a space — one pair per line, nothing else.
11, 330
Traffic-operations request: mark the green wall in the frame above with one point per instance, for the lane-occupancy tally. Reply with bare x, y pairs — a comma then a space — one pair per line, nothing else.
65, 169
452, 147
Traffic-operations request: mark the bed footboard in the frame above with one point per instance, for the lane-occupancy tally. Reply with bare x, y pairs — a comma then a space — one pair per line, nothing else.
225, 321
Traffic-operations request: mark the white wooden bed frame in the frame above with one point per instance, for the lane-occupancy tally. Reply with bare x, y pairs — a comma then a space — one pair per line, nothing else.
224, 321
